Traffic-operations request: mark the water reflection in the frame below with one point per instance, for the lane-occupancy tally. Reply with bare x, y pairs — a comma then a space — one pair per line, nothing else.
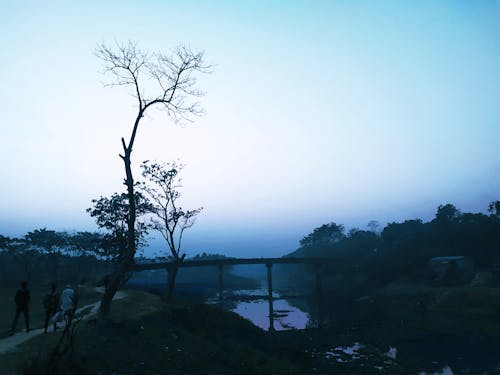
444, 371
252, 304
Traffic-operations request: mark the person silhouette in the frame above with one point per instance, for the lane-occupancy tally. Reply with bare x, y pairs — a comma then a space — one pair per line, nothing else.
50, 303
22, 300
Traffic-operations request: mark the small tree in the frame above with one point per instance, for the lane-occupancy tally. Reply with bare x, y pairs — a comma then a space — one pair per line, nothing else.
172, 83
111, 214
171, 220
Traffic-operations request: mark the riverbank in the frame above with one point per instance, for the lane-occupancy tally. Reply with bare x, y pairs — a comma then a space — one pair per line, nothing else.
147, 336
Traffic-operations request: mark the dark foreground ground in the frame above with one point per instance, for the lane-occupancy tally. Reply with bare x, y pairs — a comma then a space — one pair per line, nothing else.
147, 336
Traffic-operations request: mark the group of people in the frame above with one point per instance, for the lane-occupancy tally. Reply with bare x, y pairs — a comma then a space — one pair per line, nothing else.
56, 307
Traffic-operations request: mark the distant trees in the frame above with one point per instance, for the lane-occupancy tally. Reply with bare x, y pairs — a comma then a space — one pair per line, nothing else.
51, 243
494, 208
447, 213
4, 242
162, 184
403, 250
373, 225
49, 255
325, 234
156, 80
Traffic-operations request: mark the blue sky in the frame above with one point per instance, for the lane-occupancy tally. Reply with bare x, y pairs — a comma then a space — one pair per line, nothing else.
316, 112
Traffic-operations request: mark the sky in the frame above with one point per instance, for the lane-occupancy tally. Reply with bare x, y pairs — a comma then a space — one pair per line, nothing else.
316, 111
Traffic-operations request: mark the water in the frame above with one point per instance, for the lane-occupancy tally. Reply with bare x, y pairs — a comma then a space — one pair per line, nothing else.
444, 357
253, 304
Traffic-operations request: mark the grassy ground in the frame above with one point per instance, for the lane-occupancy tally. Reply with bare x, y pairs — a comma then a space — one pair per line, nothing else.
148, 337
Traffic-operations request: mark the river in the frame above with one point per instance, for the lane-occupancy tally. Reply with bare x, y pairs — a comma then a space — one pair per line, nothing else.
442, 357
253, 304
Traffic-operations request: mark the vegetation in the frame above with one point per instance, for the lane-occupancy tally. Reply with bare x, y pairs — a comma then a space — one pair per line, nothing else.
176, 338
45, 256
162, 185
165, 82
367, 259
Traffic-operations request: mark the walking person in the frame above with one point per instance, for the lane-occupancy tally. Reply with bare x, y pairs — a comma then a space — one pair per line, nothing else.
50, 303
22, 300
68, 301
67, 306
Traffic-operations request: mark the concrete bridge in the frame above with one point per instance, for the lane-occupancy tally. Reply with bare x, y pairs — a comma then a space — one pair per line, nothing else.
221, 263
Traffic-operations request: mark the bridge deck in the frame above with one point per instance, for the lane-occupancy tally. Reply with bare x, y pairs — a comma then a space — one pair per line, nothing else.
232, 262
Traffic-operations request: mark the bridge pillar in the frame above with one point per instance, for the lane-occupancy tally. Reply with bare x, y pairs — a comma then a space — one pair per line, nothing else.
270, 295
221, 284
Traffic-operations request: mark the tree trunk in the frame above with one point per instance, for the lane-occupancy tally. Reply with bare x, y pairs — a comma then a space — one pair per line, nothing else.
119, 275
171, 275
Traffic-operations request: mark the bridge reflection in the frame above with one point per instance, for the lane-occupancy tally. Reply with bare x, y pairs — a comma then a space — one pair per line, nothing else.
268, 262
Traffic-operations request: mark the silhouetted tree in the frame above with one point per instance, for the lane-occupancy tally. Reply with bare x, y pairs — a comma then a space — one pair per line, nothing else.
447, 213
4, 243
85, 243
51, 243
4, 248
27, 256
86, 248
327, 233
111, 214
374, 226
171, 220
494, 208
164, 81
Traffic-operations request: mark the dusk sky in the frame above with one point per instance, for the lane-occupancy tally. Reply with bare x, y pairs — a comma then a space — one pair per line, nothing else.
316, 111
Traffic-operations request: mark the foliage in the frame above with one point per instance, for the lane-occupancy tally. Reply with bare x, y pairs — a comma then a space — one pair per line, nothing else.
157, 80
162, 184
111, 214
4, 243
494, 208
86, 243
46, 240
403, 250
325, 234
205, 256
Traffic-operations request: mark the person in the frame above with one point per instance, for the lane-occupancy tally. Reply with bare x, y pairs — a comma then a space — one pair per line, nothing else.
50, 303
67, 306
22, 300
68, 301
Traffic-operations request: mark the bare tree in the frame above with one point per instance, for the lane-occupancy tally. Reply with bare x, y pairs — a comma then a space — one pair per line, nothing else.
164, 81
171, 220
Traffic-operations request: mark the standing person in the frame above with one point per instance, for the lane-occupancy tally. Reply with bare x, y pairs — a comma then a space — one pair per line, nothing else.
50, 303
22, 300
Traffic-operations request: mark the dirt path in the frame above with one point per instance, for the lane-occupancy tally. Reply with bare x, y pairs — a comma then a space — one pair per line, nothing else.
10, 343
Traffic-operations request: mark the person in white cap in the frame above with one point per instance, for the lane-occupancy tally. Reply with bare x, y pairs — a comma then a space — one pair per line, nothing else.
67, 300
67, 307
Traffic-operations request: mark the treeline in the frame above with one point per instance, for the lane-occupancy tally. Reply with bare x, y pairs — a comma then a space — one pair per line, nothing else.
51, 256
371, 258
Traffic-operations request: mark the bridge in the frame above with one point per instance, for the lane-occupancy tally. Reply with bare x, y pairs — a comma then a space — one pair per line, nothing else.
225, 262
